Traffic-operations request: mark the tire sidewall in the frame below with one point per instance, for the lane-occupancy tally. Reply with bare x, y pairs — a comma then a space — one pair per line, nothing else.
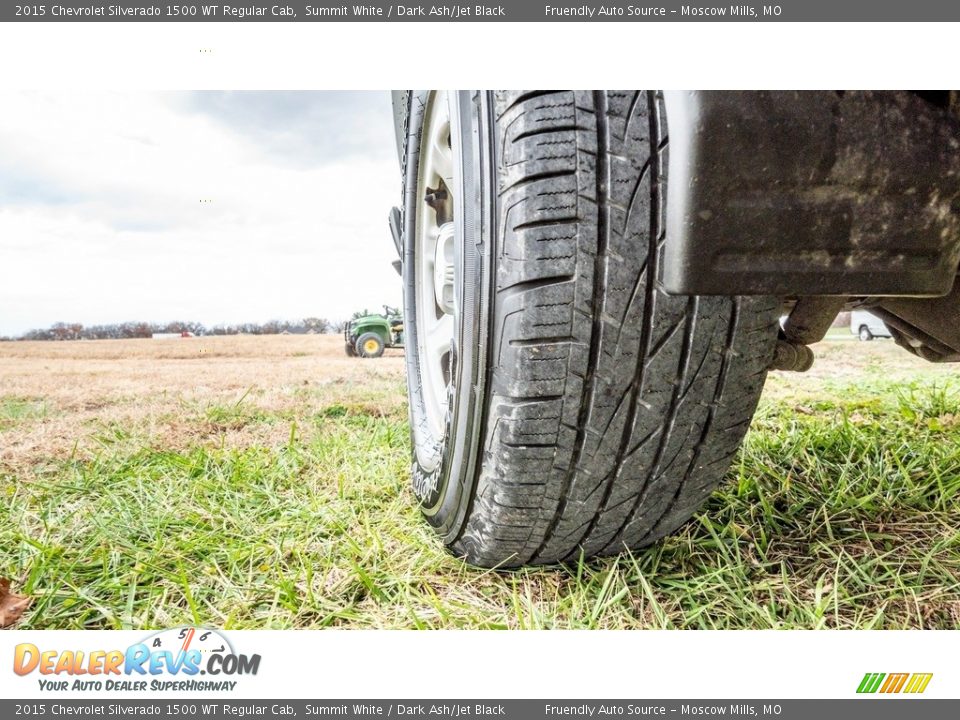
443, 468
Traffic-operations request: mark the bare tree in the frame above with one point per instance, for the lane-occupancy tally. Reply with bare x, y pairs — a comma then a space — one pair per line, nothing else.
316, 324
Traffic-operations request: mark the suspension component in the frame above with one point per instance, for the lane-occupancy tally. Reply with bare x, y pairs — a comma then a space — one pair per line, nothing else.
807, 323
791, 356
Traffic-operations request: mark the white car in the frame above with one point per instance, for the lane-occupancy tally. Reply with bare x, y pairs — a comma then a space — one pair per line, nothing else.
867, 326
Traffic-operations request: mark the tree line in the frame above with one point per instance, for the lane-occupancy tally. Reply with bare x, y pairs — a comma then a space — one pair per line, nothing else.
127, 330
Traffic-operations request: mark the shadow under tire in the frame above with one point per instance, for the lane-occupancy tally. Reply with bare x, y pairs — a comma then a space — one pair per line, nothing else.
590, 412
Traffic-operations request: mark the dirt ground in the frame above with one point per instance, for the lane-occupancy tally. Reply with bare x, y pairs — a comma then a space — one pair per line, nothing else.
176, 392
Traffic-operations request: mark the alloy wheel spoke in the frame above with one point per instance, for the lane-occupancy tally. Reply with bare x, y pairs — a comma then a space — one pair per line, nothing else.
439, 337
435, 278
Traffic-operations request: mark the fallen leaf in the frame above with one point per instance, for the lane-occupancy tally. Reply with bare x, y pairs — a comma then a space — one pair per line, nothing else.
11, 605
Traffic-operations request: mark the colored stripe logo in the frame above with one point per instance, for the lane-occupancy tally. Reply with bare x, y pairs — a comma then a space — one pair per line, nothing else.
913, 683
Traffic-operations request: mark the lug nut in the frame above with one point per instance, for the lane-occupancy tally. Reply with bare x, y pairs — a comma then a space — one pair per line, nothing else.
433, 197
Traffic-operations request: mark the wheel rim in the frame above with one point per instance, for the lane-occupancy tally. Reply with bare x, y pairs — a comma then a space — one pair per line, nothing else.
370, 346
435, 246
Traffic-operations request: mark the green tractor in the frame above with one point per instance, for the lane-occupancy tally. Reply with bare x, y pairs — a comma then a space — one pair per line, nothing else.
368, 335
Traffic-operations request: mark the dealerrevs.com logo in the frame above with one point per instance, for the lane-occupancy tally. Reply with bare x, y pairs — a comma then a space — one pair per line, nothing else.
168, 660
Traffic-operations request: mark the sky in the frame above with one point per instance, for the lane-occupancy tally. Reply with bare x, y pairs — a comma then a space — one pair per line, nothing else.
216, 207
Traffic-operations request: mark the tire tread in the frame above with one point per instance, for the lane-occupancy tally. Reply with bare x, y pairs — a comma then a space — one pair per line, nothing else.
614, 409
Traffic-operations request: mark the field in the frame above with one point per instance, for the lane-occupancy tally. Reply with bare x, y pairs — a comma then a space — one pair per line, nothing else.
262, 482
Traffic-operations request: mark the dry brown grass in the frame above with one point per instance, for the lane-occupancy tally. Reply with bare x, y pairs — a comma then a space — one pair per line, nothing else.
154, 390
843, 360
161, 392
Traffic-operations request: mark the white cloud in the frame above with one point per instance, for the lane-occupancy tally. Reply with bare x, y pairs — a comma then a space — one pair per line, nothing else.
101, 218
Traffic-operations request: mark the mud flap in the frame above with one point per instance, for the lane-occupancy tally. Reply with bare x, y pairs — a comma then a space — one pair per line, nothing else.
811, 193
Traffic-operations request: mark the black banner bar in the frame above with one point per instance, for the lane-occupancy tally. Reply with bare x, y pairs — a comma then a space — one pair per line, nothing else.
508, 10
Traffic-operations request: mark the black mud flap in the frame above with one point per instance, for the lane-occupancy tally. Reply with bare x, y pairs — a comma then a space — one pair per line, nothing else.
811, 193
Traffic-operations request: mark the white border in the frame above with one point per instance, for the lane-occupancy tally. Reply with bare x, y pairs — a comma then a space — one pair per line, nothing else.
377, 56
159, 56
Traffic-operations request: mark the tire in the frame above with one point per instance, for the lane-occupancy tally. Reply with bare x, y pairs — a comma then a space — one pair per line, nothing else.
369, 345
589, 412
865, 334
349, 349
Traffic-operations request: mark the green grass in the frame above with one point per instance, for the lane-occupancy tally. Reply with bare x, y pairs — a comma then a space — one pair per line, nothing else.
16, 410
842, 511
